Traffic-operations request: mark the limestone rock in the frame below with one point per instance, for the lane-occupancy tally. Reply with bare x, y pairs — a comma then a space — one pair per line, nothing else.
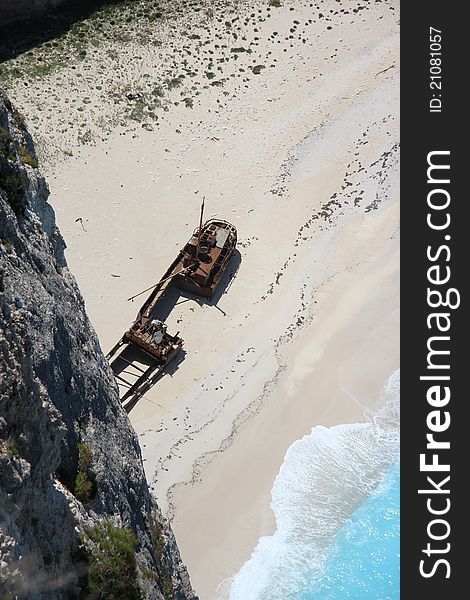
60, 412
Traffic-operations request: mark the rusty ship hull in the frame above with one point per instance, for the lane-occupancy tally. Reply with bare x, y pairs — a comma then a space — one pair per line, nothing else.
217, 241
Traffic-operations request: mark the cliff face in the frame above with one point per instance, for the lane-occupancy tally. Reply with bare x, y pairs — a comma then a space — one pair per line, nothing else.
76, 515
15, 10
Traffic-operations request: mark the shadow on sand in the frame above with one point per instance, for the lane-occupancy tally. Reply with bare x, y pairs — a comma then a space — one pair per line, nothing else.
148, 379
19, 37
173, 296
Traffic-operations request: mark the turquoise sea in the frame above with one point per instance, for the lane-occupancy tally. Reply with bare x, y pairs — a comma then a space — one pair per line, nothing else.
336, 503
365, 557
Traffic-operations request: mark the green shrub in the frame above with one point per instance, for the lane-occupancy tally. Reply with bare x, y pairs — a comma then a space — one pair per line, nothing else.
4, 135
85, 483
14, 188
158, 91
27, 159
6, 446
6, 146
238, 50
85, 456
85, 489
21, 121
175, 82
112, 566
13, 452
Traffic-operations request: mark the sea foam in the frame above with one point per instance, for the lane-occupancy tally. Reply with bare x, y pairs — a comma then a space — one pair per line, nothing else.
326, 476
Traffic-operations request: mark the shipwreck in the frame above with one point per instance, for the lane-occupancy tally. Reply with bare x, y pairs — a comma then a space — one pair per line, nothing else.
145, 350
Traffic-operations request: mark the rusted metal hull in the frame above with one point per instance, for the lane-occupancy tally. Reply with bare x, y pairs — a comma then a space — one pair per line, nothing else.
218, 240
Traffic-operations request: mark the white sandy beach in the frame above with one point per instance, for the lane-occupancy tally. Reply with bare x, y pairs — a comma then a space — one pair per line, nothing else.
303, 159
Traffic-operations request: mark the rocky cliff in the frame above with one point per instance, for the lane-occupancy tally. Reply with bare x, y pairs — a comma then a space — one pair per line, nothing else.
76, 516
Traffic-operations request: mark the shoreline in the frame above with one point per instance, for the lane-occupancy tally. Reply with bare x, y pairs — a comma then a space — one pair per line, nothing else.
314, 498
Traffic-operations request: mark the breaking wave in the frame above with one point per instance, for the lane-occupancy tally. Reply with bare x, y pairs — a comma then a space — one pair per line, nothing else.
336, 493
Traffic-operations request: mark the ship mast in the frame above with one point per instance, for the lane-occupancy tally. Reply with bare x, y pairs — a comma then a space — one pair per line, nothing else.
200, 227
